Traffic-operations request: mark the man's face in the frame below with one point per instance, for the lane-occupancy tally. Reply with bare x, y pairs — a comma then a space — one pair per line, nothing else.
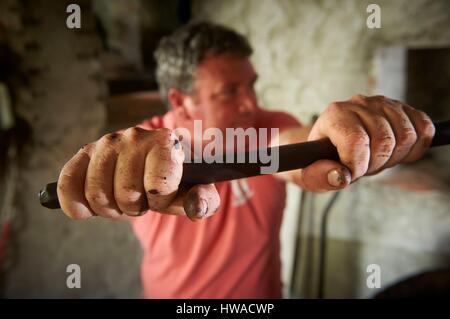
224, 94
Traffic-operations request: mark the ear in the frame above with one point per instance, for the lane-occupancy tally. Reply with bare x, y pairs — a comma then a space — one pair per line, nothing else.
181, 103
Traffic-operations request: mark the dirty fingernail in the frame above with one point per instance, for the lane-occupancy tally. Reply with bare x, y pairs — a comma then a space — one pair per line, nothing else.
196, 208
338, 177
202, 208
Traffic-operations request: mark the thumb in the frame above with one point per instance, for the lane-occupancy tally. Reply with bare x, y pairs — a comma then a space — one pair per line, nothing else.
201, 201
325, 175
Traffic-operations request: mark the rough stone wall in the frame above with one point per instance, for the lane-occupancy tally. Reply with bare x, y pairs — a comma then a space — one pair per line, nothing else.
322, 51
62, 98
309, 53
121, 23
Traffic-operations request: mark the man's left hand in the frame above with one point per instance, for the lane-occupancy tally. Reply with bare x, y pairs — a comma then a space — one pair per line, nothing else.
370, 134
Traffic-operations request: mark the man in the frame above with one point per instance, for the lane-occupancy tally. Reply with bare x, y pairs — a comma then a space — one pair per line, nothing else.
232, 251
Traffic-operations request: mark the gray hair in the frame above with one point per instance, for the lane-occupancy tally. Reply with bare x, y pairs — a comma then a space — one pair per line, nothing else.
178, 55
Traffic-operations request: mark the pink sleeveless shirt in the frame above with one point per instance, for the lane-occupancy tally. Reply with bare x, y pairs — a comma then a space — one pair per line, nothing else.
233, 254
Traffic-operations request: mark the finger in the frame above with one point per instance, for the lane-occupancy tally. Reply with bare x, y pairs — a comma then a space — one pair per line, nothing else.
404, 131
176, 206
99, 185
201, 201
323, 175
128, 182
346, 131
425, 132
382, 137
163, 170
129, 173
70, 187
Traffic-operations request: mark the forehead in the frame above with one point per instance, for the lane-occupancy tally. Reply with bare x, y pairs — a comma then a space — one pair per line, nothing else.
225, 68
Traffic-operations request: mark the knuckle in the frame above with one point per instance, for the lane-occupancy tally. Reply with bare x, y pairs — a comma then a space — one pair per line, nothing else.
163, 132
129, 198
134, 133
359, 98
109, 139
385, 143
96, 198
86, 149
164, 137
384, 140
167, 140
357, 139
395, 106
380, 100
336, 107
406, 137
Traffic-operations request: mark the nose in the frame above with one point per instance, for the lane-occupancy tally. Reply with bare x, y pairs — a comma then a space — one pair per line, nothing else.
248, 102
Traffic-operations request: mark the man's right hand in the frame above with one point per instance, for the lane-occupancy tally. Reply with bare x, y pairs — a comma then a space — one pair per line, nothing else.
129, 173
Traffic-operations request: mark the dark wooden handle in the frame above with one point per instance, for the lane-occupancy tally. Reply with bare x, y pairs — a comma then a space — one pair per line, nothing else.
293, 156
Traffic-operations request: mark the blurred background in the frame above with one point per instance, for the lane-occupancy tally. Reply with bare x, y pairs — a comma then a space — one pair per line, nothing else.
61, 88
